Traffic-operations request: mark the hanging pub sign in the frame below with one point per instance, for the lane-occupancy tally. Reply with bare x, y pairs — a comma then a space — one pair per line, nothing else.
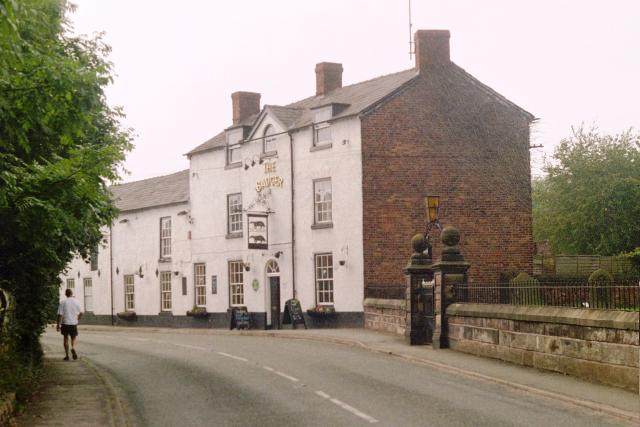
258, 235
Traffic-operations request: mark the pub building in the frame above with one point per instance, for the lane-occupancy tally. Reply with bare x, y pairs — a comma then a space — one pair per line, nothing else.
317, 201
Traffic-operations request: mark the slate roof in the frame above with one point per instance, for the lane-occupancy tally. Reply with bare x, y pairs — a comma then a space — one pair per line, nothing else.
357, 98
152, 192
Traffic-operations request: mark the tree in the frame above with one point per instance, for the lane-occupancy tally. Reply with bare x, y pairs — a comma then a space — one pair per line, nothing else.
61, 145
589, 200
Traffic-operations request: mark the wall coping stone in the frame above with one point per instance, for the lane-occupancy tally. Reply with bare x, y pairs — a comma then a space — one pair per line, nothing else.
570, 316
397, 304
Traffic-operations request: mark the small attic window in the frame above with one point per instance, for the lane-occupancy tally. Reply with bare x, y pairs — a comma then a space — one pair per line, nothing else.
234, 139
269, 141
322, 127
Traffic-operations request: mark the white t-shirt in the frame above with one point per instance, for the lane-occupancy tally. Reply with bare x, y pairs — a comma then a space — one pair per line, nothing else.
69, 309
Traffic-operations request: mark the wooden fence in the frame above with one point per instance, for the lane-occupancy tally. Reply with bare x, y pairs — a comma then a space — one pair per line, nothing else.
580, 265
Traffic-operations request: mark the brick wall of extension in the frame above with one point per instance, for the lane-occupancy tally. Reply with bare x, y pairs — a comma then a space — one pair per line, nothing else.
443, 135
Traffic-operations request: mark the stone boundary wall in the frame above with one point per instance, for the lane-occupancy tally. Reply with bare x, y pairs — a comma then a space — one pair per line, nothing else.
597, 345
387, 315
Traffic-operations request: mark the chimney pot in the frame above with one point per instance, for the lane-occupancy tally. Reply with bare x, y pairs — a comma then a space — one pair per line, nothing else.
432, 48
245, 104
328, 77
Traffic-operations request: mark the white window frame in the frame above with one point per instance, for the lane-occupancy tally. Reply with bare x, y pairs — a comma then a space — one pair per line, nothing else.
323, 267
71, 284
88, 293
321, 125
200, 284
269, 146
234, 141
165, 237
165, 291
129, 292
234, 214
322, 208
93, 262
236, 283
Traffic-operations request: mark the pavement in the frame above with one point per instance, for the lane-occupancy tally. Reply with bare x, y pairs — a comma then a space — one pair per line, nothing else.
78, 393
73, 393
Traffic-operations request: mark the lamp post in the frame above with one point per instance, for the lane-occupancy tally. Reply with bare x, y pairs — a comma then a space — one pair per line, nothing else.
432, 207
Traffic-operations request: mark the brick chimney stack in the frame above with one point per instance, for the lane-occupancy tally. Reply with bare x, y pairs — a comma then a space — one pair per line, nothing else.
432, 49
328, 77
245, 104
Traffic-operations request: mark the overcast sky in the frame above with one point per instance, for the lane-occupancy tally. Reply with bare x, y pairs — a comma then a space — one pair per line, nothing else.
177, 62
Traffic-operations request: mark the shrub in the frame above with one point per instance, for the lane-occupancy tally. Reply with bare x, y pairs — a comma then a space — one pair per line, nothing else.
523, 296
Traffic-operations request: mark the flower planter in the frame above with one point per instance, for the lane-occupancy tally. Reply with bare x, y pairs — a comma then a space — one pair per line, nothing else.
321, 315
198, 314
129, 316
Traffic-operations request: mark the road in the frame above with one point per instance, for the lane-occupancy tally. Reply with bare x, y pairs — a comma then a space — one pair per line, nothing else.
190, 379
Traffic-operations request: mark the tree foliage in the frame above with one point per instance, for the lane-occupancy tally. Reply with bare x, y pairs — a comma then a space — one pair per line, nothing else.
61, 144
589, 200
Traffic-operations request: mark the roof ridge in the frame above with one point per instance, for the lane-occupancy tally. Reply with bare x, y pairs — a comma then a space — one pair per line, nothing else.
281, 106
350, 86
151, 178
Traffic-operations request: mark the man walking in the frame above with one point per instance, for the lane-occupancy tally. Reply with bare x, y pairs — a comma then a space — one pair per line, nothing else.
69, 313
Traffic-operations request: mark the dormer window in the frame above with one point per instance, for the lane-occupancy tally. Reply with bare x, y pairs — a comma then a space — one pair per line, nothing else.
268, 140
322, 127
234, 139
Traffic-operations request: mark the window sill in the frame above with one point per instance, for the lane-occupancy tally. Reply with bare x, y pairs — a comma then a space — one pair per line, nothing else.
324, 146
164, 259
322, 225
268, 154
233, 235
233, 165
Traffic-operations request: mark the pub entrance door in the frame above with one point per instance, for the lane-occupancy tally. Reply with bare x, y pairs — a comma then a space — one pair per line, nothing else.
274, 287
273, 280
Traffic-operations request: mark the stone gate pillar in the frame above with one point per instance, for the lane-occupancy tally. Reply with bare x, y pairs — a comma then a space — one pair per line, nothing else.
449, 270
418, 272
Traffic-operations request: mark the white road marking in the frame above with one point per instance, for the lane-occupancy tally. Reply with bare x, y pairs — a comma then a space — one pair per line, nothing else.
137, 339
268, 368
192, 347
354, 411
232, 356
346, 407
289, 377
322, 394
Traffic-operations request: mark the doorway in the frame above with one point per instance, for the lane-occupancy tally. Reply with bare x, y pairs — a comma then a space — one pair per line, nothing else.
273, 279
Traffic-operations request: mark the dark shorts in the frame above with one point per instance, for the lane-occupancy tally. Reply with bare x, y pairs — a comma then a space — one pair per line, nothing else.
69, 330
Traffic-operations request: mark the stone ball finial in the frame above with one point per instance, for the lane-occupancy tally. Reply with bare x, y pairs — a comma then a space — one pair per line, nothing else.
419, 243
450, 236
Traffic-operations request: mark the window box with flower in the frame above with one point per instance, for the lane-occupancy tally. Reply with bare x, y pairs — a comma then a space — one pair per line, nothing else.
127, 315
322, 312
198, 312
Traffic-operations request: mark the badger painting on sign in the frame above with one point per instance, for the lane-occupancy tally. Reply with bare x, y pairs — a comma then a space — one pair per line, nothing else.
258, 236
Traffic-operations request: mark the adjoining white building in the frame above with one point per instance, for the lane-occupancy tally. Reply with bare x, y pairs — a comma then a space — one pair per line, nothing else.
294, 202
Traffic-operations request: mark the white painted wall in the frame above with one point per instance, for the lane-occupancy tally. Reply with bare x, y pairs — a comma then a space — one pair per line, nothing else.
343, 164
136, 241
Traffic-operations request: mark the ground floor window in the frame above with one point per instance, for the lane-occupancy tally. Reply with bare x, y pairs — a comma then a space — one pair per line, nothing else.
165, 290
199, 280
88, 294
71, 284
324, 278
129, 293
236, 283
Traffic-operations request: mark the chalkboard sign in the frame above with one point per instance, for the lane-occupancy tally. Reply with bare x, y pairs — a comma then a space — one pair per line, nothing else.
293, 314
240, 318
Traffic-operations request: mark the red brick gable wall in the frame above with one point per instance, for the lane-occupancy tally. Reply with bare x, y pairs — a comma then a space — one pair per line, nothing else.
444, 136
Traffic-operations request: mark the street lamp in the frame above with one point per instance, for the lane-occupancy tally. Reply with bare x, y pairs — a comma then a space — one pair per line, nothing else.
432, 206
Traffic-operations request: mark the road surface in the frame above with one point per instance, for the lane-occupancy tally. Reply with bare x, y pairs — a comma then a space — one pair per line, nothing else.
190, 379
